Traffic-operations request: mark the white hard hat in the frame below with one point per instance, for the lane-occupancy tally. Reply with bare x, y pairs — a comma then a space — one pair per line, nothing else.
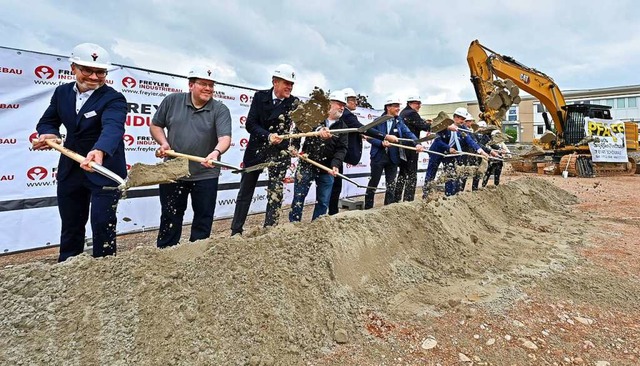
482, 124
462, 112
90, 55
201, 72
392, 100
338, 96
286, 72
348, 92
414, 98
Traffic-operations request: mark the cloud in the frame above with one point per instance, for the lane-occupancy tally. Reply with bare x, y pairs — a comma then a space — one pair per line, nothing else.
376, 47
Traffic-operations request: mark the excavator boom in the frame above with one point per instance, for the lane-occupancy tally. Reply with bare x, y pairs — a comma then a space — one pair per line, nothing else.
489, 68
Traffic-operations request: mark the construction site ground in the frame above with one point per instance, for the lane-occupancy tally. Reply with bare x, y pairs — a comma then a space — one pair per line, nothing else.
538, 271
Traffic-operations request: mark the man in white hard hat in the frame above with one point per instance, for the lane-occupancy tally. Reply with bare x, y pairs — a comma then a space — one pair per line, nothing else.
354, 147
385, 157
449, 141
195, 124
326, 149
267, 119
408, 169
94, 116
472, 161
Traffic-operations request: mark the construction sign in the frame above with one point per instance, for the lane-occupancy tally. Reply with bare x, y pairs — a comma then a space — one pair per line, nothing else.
609, 144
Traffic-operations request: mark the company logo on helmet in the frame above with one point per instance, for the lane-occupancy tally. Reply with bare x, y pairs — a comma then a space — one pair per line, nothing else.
94, 56
209, 72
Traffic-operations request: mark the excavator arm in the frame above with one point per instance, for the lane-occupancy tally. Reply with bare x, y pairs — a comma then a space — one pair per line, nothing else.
496, 79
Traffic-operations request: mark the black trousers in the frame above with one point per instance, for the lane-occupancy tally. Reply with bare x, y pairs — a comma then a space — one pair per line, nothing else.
495, 168
390, 171
173, 200
335, 194
77, 198
407, 178
248, 184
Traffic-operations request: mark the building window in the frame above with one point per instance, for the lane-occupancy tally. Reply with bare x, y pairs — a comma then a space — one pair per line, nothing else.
513, 114
631, 102
540, 108
620, 102
608, 102
539, 130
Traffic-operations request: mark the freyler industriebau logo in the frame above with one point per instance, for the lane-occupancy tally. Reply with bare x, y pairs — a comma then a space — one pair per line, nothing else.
243, 120
244, 98
44, 72
129, 82
37, 173
128, 139
244, 143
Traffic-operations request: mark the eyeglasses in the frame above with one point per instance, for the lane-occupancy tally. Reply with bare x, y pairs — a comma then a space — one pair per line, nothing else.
205, 85
88, 72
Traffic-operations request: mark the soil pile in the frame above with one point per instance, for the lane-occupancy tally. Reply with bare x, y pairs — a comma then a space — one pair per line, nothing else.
289, 294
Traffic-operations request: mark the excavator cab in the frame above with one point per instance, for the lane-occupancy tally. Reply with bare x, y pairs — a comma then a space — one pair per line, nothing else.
574, 125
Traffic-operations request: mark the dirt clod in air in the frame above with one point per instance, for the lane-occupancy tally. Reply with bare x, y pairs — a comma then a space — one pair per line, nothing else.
287, 295
168, 171
309, 114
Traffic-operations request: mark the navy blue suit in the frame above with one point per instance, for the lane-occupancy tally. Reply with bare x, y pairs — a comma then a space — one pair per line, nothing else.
98, 125
387, 160
408, 169
354, 154
441, 145
262, 120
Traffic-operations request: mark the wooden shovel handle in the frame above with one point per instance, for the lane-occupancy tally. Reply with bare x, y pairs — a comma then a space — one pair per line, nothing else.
299, 135
176, 154
53, 143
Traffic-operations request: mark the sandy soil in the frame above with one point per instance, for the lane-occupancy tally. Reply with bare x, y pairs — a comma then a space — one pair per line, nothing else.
542, 270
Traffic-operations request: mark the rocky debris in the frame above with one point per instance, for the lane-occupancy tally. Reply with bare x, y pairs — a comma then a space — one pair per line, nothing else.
429, 343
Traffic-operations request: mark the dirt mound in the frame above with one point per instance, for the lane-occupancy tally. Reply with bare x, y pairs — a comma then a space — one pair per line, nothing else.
288, 294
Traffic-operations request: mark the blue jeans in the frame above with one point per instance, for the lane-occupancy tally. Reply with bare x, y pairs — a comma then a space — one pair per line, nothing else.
324, 183
173, 199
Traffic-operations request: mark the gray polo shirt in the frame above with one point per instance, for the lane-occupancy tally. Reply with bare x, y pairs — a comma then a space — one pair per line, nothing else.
193, 131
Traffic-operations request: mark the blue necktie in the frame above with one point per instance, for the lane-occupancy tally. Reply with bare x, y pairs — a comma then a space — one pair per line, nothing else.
454, 140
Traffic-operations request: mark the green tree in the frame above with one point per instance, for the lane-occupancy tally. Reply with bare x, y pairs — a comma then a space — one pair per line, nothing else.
512, 132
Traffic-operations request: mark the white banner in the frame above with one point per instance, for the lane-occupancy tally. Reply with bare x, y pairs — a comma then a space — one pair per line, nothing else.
28, 212
611, 142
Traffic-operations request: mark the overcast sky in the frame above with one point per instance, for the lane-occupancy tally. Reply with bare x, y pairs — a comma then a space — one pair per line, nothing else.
376, 47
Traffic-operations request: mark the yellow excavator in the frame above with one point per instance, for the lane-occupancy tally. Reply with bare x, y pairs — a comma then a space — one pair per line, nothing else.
498, 79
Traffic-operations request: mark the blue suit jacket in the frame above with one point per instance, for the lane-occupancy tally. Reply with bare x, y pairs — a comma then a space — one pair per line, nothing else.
441, 143
85, 131
263, 119
398, 128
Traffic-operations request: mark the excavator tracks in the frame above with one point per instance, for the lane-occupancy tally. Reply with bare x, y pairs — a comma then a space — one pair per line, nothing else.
580, 165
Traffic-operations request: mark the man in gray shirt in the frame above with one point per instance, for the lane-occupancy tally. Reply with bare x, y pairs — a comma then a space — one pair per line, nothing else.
197, 125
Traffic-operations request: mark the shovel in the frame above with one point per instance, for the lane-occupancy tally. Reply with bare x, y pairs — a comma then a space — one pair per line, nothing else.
305, 158
134, 180
565, 172
362, 129
198, 159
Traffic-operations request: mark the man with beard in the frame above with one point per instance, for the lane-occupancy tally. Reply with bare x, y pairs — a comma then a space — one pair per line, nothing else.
93, 115
326, 149
197, 125
354, 146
